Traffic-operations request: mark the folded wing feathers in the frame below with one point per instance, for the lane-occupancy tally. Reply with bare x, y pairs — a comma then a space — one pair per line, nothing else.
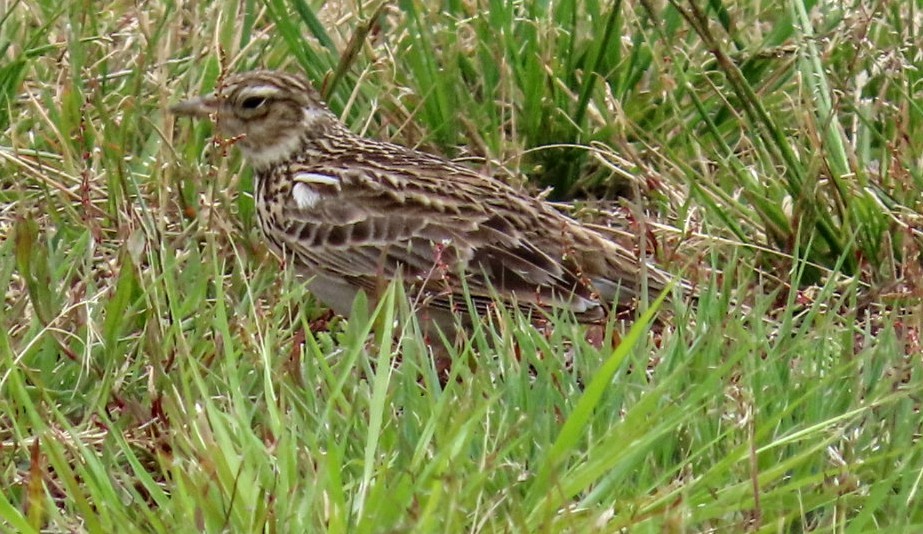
347, 225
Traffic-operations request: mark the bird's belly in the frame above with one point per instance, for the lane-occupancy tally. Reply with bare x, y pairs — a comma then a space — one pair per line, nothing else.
333, 292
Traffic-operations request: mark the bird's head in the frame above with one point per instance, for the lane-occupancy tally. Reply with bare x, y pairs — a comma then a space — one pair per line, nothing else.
269, 114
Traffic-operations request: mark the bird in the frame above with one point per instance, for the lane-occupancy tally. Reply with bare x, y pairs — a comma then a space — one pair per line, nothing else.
351, 214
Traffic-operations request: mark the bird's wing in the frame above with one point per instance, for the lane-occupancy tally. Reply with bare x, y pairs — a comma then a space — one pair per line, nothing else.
434, 222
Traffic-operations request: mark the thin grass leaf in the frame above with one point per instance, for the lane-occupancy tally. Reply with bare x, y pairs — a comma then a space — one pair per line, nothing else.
384, 313
573, 429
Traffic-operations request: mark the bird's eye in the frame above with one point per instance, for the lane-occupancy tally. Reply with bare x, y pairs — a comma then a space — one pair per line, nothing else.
252, 102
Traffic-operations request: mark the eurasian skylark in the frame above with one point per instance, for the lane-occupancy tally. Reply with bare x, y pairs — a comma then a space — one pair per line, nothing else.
353, 213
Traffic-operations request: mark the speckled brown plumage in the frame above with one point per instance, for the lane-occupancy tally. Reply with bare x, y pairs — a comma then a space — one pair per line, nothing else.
354, 213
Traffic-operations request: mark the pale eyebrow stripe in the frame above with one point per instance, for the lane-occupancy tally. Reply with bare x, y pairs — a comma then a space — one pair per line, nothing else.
260, 90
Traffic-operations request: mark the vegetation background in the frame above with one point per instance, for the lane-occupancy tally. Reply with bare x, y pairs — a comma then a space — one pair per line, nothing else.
159, 371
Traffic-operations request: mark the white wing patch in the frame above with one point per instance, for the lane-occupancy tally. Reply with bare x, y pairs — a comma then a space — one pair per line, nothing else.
310, 186
318, 179
305, 197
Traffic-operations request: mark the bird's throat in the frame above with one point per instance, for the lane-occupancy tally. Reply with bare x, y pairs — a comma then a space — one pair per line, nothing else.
269, 155
276, 147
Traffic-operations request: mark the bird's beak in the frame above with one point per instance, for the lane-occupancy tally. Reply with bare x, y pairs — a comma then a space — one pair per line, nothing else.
202, 106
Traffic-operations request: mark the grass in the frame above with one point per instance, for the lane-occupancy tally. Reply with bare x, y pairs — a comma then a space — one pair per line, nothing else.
160, 371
